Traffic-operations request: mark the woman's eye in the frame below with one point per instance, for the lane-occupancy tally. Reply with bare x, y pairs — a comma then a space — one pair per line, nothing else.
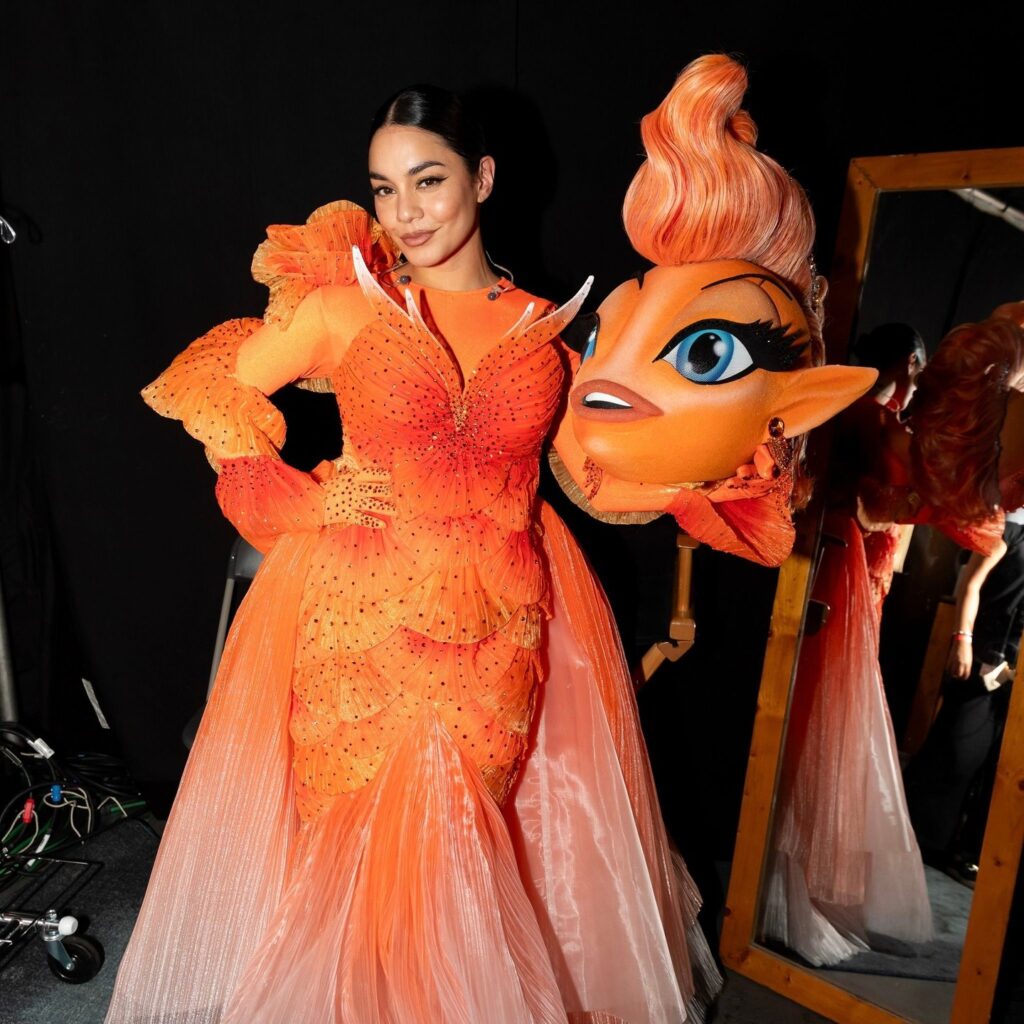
590, 346
709, 355
382, 190
428, 182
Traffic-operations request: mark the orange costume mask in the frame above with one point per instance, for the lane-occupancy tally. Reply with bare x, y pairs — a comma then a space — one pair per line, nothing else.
699, 377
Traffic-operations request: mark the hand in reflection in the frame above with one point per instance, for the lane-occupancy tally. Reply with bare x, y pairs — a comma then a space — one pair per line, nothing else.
961, 654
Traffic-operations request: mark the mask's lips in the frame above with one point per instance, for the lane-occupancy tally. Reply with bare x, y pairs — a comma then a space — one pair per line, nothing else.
606, 400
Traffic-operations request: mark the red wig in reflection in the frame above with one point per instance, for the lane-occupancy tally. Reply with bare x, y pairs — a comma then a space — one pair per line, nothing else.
958, 414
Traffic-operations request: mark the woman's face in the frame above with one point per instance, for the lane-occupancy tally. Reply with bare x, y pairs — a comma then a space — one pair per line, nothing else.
424, 195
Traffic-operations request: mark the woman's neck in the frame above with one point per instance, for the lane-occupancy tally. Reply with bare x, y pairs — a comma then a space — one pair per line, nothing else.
464, 271
885, 389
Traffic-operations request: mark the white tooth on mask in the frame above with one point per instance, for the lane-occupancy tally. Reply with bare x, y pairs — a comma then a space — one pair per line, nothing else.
600, 396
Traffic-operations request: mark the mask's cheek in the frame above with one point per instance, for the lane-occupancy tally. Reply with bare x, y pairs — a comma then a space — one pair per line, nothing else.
706, 433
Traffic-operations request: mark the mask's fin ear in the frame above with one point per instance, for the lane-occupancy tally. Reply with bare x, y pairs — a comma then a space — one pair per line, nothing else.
815, 394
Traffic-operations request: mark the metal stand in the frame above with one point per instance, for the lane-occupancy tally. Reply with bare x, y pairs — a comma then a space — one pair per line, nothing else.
72, 958
8, 693
682, 629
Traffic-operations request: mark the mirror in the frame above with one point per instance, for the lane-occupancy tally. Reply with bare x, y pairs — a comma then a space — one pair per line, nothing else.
873, 773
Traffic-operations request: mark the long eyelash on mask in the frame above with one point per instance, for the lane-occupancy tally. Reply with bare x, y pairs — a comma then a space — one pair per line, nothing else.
771, 346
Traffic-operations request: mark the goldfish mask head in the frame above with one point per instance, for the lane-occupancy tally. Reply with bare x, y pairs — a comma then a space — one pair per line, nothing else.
688, 366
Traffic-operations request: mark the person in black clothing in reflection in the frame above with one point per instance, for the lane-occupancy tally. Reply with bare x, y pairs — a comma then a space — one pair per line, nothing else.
949, 782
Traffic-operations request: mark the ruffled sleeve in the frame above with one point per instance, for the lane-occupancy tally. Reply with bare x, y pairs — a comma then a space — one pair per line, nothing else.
747, 515
980, 535
200, 389
297, 258
234, 419
242, 432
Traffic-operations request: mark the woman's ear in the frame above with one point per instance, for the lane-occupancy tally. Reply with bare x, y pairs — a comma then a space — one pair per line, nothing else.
484, 178
817, 393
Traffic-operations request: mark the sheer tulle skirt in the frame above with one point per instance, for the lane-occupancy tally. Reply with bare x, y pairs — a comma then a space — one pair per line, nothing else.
844, 859
418, 898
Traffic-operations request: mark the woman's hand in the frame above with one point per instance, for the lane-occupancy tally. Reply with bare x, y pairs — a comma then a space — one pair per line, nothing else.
355, 496
961, 657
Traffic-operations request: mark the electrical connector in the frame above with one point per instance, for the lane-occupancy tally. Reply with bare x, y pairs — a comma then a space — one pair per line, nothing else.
41, 747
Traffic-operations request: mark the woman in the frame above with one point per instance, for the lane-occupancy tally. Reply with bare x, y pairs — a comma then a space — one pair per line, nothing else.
413, 829
872, 445
845, 868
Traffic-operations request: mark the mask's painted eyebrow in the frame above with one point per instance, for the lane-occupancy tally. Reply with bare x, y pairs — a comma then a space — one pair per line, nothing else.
758, 277
412, 170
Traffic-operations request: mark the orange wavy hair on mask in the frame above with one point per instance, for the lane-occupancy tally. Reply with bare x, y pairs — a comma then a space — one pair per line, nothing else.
706, 193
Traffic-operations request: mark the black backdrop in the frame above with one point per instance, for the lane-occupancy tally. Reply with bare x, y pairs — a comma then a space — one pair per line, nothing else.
145, 145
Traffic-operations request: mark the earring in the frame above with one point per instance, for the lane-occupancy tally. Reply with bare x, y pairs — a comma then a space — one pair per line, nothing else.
779, 446
774, 456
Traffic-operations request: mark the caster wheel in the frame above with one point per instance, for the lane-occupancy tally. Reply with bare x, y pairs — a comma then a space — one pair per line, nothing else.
88, 957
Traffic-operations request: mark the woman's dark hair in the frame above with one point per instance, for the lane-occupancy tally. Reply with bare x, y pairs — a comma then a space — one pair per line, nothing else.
887, 345
439, 111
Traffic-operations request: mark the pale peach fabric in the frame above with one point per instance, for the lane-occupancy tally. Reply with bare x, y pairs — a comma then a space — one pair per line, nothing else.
844, 859
408, 901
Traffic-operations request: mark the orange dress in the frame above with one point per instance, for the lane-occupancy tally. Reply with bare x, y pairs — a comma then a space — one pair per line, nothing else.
432, 799
844, 863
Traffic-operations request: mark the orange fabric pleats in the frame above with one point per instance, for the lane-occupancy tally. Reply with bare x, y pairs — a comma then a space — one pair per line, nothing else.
220, 869
588, 828
416, 898
344, 848
406, 906
845, 861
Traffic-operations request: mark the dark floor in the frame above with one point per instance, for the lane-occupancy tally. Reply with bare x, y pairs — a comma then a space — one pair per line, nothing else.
106, 904
109, 899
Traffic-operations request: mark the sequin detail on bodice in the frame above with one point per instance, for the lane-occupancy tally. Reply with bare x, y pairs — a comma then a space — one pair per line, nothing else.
442, 609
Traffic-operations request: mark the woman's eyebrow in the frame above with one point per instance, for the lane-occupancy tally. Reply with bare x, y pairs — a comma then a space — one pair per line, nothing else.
412, 170
423, 166
760, 277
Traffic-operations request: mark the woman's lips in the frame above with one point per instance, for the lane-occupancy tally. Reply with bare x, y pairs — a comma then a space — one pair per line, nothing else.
606, 400
418, 238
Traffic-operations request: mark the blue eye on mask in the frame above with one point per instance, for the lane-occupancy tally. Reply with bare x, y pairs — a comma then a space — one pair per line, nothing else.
717, 351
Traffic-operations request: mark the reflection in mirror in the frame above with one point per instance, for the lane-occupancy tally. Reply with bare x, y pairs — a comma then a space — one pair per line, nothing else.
875, 843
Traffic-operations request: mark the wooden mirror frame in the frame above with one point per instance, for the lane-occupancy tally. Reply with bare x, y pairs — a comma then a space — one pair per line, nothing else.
867, 179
